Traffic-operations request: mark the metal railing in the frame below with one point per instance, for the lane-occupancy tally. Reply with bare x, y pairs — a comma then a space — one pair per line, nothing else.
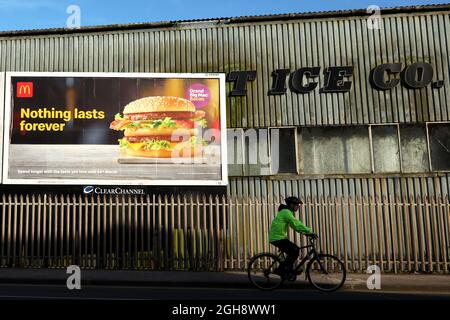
217, 233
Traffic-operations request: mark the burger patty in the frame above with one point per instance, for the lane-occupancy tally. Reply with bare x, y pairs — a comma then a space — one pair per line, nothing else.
162, 115
142, 139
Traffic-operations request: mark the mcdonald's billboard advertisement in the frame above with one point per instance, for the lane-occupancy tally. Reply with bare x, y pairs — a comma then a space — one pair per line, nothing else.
114, 129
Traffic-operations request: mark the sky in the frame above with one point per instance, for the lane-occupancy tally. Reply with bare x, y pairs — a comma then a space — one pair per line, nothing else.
42, 14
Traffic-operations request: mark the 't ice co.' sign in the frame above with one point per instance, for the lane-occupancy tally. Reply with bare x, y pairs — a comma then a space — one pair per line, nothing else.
337, 79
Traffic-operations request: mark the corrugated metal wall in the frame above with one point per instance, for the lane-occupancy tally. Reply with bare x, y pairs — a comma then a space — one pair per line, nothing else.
210, 47
265, 46
386, 186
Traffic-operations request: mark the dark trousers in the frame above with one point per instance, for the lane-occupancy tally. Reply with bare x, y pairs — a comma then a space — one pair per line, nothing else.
290, 249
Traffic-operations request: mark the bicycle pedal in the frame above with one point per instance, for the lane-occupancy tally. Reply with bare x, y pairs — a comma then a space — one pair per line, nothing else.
292, 278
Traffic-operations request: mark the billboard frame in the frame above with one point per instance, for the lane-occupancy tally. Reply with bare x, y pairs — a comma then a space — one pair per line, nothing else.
2, 117
6, 122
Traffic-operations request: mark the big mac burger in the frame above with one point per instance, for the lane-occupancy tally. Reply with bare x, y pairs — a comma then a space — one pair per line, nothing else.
160, 127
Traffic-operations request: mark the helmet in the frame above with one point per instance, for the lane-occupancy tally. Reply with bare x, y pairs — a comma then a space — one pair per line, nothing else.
293, 200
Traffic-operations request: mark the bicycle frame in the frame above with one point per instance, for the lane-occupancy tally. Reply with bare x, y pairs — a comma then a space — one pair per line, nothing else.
311, 253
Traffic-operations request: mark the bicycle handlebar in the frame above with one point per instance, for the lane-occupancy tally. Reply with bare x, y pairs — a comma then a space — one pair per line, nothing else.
312, 237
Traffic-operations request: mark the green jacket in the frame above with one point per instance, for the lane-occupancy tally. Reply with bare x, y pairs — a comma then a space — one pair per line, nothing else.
279, 227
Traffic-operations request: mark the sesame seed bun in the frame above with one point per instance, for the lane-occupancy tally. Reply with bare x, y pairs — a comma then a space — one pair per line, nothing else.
159, 104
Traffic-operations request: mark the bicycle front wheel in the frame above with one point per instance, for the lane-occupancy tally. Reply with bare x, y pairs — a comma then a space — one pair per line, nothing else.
261, 271
326, 272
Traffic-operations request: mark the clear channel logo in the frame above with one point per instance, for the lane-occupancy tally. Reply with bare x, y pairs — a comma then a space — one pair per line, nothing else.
88, 190
113, 191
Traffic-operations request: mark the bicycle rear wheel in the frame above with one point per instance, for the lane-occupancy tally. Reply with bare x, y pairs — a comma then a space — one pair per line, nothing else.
326, 272
261, 271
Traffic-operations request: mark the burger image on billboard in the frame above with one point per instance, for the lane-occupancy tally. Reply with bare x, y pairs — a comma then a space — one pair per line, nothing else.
160, 127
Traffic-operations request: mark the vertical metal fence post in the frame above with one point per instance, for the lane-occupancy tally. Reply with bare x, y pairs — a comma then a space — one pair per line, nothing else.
27, 228
386, 222
394, 241
20, 231
359, 238
3, 260
379, 228
233, 242
200, 249
11, 230
351, 229
446, 227
223, 233
238, 233
149, 231
192, 235
399, 214
415, 205
427, 238
442, 226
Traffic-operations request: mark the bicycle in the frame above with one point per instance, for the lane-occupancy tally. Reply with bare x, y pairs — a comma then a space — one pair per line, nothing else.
324, 271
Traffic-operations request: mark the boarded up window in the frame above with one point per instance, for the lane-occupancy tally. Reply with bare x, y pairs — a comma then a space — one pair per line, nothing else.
386, 153
335, 150
439, 135
235, 152
414, 148
256, 160
283, 157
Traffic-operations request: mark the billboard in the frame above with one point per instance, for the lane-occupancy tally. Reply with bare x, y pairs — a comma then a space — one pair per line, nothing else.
2, 108
114, 128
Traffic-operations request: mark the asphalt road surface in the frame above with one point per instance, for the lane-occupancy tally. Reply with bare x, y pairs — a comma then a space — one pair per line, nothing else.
60, 292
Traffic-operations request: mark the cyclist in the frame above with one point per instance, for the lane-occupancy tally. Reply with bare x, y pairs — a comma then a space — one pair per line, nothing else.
278, 234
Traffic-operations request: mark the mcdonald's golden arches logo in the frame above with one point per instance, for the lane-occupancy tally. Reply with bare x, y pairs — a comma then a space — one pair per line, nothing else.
24, 90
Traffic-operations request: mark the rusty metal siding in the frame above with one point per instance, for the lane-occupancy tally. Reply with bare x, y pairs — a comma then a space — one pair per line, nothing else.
265, 46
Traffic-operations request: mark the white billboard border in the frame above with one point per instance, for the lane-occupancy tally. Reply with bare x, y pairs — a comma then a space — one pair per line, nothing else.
2, 117
7, 124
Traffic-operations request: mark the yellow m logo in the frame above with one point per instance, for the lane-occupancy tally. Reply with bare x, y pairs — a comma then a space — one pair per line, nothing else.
24, 89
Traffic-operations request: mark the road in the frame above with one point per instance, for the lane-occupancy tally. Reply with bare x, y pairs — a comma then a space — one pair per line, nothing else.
89, 292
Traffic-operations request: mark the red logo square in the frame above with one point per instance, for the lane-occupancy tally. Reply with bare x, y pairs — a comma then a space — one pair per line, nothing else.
24, 90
